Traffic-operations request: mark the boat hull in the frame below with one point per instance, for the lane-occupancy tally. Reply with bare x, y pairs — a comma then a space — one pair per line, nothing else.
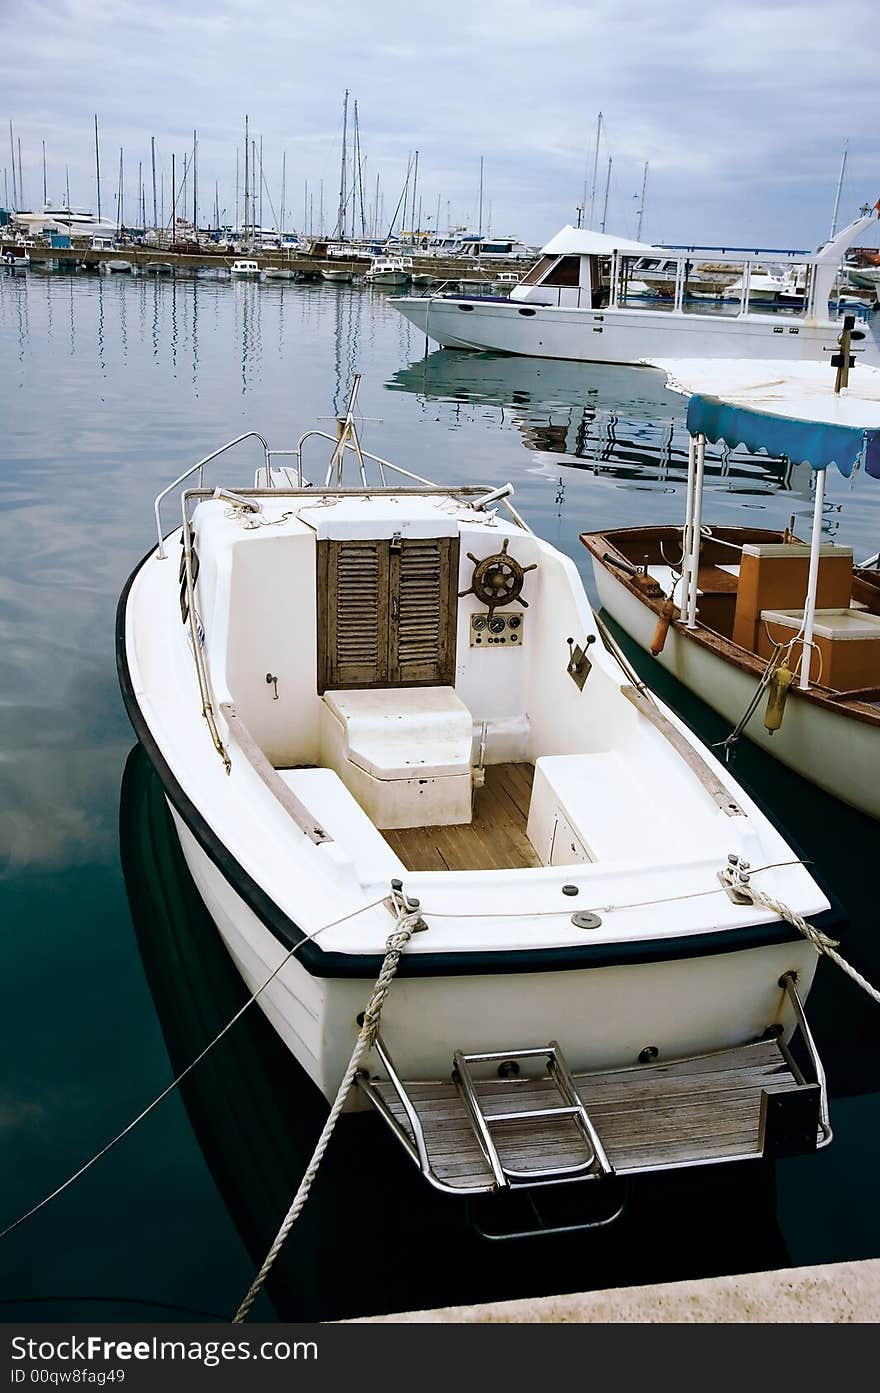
616, 335
603, 1016
831, 749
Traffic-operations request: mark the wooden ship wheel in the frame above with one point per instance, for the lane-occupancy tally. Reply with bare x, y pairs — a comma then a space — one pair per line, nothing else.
497, 579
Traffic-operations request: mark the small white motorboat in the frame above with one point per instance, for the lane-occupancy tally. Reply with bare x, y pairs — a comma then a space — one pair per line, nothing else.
390, 270
279, 273
342, 275
244, 267
379, 708
780, 636
505, 281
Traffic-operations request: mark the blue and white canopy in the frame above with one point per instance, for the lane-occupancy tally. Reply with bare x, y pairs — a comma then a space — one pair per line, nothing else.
785, 408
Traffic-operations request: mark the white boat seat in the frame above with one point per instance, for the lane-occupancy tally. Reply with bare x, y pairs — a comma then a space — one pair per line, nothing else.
396, 732
404, 752
342, 817
586, 807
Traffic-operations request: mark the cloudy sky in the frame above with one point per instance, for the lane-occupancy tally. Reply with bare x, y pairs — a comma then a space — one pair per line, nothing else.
740, 109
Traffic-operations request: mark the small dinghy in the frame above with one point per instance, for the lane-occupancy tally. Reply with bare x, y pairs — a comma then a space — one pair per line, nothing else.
385, 712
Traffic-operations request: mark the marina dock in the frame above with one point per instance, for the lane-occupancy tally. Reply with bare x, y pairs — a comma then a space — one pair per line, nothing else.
307, 266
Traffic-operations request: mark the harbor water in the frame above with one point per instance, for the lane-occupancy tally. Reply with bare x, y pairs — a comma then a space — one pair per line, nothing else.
114, 978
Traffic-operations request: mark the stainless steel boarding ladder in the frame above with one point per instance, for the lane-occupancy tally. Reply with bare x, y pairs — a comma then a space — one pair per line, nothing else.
595, 1163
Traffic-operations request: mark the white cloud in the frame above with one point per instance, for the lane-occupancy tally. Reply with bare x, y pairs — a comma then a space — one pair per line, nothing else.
740, 109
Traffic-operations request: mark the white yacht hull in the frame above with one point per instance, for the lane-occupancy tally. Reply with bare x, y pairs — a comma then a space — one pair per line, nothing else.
617, 335
834, 751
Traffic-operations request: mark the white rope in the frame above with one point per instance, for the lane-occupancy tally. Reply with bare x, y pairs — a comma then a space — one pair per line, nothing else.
59, 1189
397, 941
820, 941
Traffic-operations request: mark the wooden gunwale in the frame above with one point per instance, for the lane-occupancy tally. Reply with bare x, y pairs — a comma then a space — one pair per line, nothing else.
598, 543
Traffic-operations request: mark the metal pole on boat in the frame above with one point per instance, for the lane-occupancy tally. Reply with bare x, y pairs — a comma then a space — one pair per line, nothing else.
837, 195
687, 537
812, 580
44, 173
694, 567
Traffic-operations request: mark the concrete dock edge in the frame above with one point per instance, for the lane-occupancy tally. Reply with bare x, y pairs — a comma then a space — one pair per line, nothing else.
838, 1293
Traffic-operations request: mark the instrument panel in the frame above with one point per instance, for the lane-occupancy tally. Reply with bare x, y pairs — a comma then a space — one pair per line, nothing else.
497, 630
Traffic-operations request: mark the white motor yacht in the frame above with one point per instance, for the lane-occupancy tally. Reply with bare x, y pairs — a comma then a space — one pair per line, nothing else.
577, 303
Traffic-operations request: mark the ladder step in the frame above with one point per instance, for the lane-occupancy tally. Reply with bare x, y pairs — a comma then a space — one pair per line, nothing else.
532, 1113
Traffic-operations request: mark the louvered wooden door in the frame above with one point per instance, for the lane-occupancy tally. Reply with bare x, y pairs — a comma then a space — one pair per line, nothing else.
387, 612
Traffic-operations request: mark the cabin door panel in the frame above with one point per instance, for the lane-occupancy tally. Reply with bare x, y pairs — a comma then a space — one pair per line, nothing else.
387, 612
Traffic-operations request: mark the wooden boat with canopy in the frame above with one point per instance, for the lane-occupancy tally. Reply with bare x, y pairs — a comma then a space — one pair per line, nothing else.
384, 714
779, 635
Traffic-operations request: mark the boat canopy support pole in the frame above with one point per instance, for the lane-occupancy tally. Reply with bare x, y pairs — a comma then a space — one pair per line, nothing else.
687, 535
812, 580
696, 524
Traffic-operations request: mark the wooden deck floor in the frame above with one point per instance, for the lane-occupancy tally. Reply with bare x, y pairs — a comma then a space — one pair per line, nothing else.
495, 839
683, 1113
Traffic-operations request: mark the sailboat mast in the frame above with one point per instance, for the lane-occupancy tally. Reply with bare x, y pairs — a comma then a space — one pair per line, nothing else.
340, 221
480, 216
195, 185
261, 191
595, 168
837, 195
153, 159
119, 209
283, 186
246, 142
67, 186
360, 170
44, 173
642, 204
20, 179
97, 169
412, 221
12, 154
607, 188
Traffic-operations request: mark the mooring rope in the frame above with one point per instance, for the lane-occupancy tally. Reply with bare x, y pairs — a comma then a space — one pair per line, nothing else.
820, 941
407, 922
145, 1112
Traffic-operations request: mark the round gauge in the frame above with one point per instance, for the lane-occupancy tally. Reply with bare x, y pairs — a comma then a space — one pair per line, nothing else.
479, 622
514, 621
496, 626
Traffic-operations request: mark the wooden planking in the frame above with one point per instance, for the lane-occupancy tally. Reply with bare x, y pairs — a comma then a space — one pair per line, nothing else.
681, 1113
495, 839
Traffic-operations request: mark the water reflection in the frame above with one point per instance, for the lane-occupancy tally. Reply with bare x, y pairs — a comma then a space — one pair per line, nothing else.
87, 444
572, 411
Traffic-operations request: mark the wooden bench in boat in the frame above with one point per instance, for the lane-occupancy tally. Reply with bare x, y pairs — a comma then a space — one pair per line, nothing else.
747, 1102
